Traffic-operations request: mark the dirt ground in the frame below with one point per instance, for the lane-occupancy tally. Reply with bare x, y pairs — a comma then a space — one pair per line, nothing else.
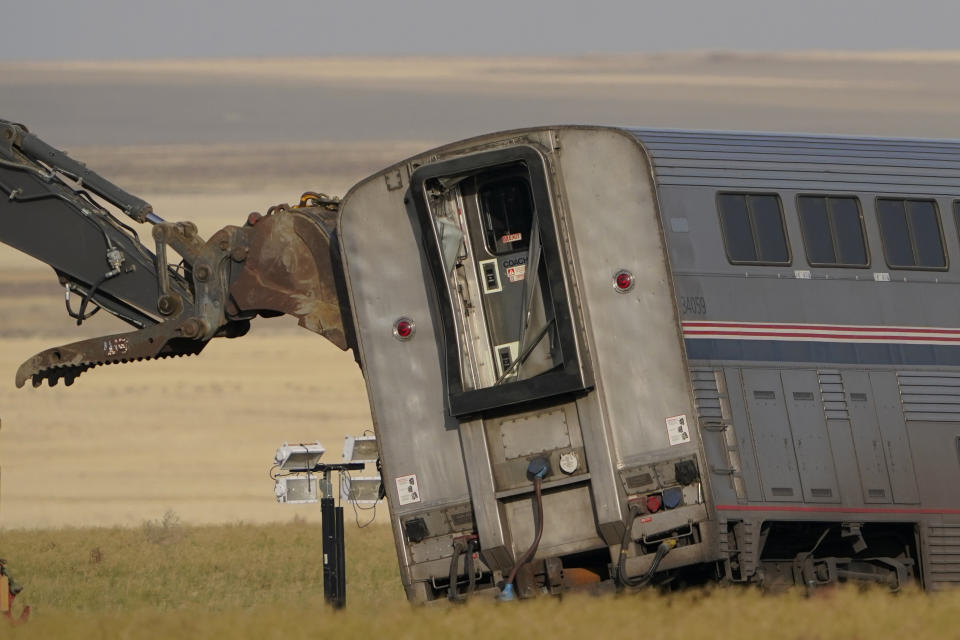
209, 141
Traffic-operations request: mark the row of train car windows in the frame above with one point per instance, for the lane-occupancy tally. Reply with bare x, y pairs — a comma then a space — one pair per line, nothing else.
833, 231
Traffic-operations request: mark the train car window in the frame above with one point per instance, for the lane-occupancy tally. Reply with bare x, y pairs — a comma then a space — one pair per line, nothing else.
753, 229
506, 208
833, 232
956, 214
737, 232
912, 235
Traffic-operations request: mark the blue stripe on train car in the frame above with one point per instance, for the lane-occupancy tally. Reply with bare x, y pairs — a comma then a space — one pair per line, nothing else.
822, 352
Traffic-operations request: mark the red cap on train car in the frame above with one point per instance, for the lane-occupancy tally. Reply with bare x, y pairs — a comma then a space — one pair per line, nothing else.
653, 503
404, 328
623, 281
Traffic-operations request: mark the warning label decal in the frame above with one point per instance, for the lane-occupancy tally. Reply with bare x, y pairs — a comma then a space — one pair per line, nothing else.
407, 489
678, 430
517, 273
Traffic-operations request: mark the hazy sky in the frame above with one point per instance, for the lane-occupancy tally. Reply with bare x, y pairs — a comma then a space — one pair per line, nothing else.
111, 29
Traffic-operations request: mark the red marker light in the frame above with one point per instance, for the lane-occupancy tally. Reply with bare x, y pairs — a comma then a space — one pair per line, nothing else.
404, 328
623, 281
653, 503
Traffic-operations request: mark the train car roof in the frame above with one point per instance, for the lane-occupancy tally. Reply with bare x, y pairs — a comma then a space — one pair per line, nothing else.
750, 160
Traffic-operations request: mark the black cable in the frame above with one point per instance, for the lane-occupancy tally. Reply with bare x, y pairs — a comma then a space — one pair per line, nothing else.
356, 514
81, 315
70, 312
105, 214
459, 548
529, 553
662, 550
53, 196
382, 490
89, 294
469, 568
624, 545
357, 508
22, 166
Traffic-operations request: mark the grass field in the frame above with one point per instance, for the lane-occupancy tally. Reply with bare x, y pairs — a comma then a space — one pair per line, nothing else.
167, 580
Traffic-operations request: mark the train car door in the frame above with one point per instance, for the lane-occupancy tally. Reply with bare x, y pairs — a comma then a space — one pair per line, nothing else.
776, 457
500, 279
790, 432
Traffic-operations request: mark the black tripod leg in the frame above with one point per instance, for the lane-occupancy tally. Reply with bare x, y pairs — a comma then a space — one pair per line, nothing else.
334, 575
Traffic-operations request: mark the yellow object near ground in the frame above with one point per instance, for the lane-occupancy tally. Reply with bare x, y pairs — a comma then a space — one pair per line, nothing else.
4, 591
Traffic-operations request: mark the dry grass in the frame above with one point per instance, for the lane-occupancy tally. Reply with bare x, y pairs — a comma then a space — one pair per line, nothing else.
196, 435
166, 566
257, 581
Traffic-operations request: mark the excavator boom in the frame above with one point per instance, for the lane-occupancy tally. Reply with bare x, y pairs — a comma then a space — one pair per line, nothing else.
64, 214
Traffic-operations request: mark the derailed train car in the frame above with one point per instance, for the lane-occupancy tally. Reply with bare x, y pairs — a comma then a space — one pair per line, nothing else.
594, 356
599, 356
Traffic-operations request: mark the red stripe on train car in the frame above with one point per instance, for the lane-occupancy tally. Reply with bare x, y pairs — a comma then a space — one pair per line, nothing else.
837, 328
781, 508
839, 336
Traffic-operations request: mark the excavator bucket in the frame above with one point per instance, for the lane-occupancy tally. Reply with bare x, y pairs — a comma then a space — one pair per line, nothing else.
291, 267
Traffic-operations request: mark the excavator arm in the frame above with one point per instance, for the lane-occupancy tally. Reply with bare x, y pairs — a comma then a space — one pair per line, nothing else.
62, 213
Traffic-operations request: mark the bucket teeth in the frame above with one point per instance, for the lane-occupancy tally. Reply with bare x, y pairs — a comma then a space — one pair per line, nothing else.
67, 362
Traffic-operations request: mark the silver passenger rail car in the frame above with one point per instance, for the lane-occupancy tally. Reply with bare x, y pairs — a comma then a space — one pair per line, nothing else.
599, 356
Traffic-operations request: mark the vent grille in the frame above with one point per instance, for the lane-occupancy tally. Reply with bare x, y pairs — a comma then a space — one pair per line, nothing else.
640, 480
943, 551
461, 519
834, 398
706, 397
933, 397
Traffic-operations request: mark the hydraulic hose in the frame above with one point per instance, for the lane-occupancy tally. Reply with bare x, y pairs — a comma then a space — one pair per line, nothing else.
529, 553
459, 548
469, 568
82, 313
635, 511
538, 469
662, 550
